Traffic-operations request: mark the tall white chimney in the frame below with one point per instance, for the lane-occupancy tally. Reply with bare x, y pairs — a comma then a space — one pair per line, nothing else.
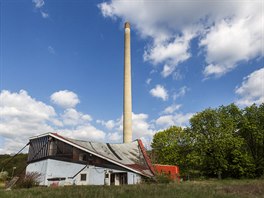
127, 111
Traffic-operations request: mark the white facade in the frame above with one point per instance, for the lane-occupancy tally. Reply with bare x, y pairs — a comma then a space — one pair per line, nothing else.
78, 174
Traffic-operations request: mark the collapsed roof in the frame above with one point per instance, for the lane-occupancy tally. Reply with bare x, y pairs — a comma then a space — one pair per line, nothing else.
131, 156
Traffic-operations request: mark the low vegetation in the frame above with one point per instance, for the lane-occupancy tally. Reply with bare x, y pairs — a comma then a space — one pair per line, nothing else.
14, 166
197, 189
29, 180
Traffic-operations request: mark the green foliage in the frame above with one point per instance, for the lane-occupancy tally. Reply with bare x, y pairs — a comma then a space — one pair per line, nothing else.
3, 176
19, 162
163, 178
222, 142
30, 180
174, 146
218, 143
167, 145
252, 130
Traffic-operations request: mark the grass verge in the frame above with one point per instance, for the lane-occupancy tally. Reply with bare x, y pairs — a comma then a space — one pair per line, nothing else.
197, 189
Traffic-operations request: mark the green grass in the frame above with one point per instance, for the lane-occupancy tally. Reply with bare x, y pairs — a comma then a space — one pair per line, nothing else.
196, 189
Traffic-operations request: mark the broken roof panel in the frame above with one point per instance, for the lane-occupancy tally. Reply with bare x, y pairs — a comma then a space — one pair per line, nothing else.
130, 155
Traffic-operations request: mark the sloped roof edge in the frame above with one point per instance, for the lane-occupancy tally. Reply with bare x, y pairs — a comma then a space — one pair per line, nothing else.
146, 156
61, 138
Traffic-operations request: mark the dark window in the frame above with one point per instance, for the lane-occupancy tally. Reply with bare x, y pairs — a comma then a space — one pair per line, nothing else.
83, 177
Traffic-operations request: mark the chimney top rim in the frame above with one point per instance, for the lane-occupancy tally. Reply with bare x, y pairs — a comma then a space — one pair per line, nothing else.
127, 25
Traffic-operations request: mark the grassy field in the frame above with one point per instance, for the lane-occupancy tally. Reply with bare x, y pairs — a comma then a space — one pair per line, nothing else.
198, 189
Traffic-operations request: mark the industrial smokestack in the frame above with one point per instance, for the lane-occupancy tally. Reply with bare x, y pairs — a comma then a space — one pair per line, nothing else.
127, 111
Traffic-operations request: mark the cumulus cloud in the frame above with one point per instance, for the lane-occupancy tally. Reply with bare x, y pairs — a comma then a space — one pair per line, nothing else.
110, 124
252, 89
114, 137
73, 117
65, 99
170, 53
171, 109
177, 119
231, 41
159, 92
228, 32
23, 116
141, 127
85, 132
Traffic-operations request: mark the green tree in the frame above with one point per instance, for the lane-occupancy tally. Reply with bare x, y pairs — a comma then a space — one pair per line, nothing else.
216, 139
174, 146
165, 145
252, 130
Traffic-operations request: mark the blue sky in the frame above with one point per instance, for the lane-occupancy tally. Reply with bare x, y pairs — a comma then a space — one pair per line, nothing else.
62, 65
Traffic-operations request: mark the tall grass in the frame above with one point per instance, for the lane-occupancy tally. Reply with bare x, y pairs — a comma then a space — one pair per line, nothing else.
201, 189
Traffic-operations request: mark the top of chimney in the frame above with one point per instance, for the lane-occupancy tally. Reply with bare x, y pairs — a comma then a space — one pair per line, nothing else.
127, 25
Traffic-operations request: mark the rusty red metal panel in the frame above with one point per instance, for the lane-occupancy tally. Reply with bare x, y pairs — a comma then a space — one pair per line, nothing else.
172, 171
143, 150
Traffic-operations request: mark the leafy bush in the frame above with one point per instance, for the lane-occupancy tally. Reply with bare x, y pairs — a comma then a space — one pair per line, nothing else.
163, 178
30, 180
3, 176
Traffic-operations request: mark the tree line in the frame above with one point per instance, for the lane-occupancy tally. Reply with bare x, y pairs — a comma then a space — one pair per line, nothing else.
220, 142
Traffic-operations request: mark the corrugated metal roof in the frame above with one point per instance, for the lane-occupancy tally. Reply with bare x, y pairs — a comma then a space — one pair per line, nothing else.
131, 155
128, 154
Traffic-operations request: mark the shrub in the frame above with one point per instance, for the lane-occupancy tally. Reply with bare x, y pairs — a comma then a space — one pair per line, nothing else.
30, 180
3, 176
163, 178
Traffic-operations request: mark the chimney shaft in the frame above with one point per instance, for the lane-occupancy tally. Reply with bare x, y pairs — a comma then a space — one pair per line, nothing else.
127, 111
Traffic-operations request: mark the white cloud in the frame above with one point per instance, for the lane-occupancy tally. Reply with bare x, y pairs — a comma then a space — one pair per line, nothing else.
140, 127
23, 116
38, 3
65, 99
170, 53
115, 137
166, 120
177, 119
231, 41
229, 32
180, 93
44, 14
159, 92
73, 117
171, 109
110, 124
148, 81
84, 132
252, 89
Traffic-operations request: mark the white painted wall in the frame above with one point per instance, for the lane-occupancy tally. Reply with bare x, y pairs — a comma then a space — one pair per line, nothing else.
40, 167
94, 175
133, 178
